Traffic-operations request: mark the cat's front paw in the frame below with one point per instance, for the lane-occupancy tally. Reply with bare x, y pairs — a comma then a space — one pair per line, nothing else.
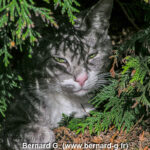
38, 137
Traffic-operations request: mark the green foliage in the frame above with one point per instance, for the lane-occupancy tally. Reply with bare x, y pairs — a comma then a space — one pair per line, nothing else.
8, 82
17, 32
66, 119
138, 43
67, 6
92, 122
139, 80
16, 23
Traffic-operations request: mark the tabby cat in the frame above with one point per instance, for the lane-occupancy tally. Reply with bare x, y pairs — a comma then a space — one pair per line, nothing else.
68, 63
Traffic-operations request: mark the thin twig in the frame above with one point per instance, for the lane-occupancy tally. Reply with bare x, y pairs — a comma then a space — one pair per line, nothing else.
85, 111
134, 126
126, 14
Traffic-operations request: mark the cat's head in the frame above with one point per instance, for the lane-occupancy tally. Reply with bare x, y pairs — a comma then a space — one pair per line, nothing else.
78, 57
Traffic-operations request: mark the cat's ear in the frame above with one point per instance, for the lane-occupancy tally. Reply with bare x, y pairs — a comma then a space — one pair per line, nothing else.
103, 9
96, 15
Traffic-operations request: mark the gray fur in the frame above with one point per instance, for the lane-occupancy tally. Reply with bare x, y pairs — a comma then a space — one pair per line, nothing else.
51, 88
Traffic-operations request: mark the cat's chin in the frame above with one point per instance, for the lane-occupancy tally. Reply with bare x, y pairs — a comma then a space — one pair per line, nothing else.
81, 92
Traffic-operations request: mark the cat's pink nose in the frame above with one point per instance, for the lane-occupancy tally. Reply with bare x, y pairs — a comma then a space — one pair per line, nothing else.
81, 78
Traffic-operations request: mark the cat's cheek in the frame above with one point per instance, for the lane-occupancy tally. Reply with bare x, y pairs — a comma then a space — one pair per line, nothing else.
92, 79
95, 65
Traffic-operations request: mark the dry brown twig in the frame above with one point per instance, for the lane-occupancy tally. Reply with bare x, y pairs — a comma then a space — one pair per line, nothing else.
126, 14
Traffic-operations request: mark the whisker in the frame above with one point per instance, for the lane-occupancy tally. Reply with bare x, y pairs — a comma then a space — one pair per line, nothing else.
104, 75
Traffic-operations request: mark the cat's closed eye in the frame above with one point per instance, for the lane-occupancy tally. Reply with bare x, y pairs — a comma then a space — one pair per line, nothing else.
60, 60
93, 55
